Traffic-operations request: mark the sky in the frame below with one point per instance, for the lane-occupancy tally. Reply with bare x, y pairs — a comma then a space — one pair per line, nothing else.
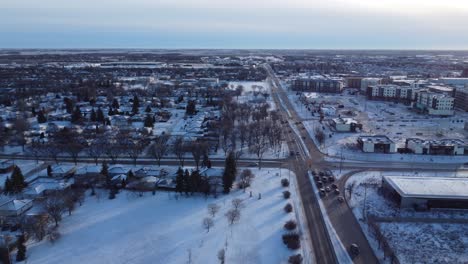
243, 24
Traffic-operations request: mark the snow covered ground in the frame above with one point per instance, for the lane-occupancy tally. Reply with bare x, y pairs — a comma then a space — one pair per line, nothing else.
413, 242
167, 229
430, 243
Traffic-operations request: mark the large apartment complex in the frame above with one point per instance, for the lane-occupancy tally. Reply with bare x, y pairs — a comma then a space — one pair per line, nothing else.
435, 103
318, 84
389, 92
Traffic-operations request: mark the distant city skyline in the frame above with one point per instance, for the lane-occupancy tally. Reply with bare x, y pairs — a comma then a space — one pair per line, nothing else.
255, 24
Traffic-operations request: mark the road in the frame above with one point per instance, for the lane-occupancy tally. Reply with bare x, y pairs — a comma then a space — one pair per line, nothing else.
343, 220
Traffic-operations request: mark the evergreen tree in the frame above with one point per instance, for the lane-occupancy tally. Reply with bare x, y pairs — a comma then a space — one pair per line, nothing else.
105, 173
148, 109
180, 180
33, 111
136, 105
41, 117
115, 103
111, 112
17, 180
68, 104
21, 254
49, 170
76, 115
92, 118
191, 108
195, 181
7, 189
148, 121
229, 174
100, 115
187, 182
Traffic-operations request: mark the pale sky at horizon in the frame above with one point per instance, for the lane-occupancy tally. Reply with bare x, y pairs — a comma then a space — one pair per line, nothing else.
335, 24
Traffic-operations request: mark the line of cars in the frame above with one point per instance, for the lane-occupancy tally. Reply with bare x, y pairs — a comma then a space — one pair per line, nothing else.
324, 180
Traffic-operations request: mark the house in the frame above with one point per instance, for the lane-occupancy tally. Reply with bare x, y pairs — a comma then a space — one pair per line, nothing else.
15, 207
87, 174
378, 143
41, 186
62, 171
345, 124
117, 170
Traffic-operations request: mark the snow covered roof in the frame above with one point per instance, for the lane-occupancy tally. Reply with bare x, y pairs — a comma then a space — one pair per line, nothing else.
15, 205
429, 187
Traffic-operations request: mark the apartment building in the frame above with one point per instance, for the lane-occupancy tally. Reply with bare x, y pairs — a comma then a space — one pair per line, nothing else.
435, 103
318, 84
461, 99
389, 92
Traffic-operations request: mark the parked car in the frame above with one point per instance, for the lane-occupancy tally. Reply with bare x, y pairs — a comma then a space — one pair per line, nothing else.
337, 191
322, 192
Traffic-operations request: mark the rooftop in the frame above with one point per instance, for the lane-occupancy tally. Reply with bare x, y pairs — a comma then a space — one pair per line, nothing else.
429, 187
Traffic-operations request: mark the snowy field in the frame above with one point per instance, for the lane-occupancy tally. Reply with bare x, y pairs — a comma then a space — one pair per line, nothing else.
430, 243
167, 229
404, 236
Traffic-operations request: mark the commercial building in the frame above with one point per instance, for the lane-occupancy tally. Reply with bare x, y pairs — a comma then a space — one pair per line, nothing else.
437, 147
426, 192
389, 92
435, 103
318, 84
454, 81
376, 144
345, 124
461, 99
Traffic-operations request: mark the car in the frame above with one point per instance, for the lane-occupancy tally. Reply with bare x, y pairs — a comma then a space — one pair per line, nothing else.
340, 199
322, 192
331, 178
334, 186
320, 184
316, 178
327, 189
354, 249
337, 191
253, 164
297, 153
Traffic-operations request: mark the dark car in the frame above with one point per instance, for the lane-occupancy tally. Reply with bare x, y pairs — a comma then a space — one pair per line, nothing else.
334, 186
354, 250
337, 191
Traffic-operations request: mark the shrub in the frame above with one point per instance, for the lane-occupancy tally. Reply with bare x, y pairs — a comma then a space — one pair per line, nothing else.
288, 208
295, 259
292, 240
284, 182
290, 225
286, 194
54, 235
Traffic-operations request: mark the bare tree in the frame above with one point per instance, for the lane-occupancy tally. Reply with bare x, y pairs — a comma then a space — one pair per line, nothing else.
36, 226
96, 148
198, 149
233, 216
179, 149
55, 206
237, 204
21, 125
319, 135
213, 209
134, 148
160, 148
208, 223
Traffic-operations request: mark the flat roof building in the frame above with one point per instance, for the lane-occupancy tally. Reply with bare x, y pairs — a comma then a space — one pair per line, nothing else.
426, 192
319, 84
378, 143
343, 124
437, 147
